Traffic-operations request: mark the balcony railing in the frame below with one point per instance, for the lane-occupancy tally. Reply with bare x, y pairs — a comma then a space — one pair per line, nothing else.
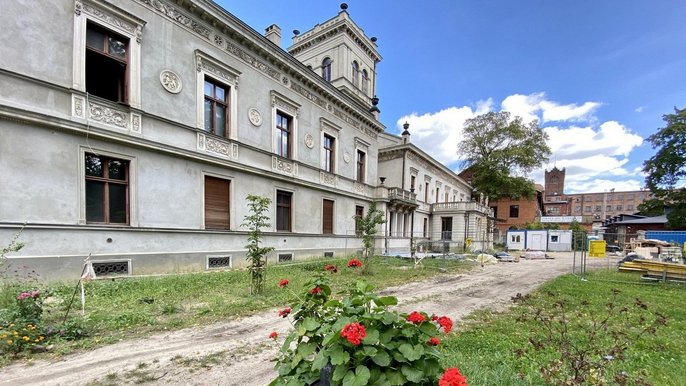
401, 194
461, 206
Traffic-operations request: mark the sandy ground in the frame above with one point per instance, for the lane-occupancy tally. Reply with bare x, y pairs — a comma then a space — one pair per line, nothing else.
239, 353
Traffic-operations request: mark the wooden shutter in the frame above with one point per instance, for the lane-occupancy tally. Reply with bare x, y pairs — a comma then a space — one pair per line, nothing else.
216, 203
327, 217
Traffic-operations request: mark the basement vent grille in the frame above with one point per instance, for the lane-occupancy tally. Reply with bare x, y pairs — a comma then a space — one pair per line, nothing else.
285, 257
111, 268
328, 254
216, 262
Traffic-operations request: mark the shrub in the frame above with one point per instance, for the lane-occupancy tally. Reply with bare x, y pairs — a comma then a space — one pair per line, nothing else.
17, 337
359, 341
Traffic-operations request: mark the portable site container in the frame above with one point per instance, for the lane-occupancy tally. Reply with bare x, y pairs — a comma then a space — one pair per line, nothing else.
560, 240
537, 240
516, 240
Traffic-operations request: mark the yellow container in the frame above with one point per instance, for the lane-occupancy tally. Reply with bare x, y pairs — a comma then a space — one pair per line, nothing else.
596, 248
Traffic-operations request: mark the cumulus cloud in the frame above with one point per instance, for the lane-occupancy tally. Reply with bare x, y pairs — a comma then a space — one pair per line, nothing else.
594, 154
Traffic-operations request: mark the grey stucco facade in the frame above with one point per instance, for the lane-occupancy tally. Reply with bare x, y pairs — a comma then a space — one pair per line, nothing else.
51, 120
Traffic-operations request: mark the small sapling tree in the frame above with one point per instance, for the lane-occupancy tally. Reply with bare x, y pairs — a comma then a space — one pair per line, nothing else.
367, 226
256, 255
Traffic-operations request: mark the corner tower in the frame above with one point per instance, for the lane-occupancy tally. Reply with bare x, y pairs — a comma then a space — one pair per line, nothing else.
554, 182
340, 52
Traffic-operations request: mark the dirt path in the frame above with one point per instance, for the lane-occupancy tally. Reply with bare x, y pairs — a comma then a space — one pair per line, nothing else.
239, 353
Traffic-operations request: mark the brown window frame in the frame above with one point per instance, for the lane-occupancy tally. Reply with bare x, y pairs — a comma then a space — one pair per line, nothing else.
446, 228
284, 132
327, 223
284, 209
359, 214
329, 153
212, 224
361, 163
104, 55
514, 211
107, 181
217, 101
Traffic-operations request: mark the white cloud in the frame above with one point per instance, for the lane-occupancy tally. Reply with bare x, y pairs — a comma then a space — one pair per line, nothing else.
594, 154
639, 109
536, 106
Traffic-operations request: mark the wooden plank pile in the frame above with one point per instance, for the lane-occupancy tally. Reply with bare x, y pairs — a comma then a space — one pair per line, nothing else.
656, 270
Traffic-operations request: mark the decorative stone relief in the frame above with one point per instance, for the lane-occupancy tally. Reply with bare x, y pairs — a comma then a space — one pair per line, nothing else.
284, 104
358, 188
178, 16
255, 117
284, 167
217, 146
309, 141
285, 81
171, 81
218, 40
77, 106
136, 123
327, 178
107, 18
346, 157
207, 66
108, 116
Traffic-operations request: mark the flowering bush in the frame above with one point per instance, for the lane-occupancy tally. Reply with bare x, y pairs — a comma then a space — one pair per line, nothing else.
360, 341
29, 306
354, 263
16, 337
452, 377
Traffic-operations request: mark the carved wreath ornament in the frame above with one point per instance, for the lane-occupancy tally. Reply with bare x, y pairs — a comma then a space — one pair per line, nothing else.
170, 81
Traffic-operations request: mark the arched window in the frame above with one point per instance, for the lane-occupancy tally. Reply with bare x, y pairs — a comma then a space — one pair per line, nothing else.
365, 82
356, 74
326, 69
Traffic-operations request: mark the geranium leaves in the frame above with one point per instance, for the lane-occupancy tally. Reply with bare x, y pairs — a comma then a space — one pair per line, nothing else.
372, 337
310, 324
382, 358
339, 356
360, 377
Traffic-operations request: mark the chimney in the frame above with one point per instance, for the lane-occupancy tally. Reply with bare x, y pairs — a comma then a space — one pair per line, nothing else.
406, 133
273, 33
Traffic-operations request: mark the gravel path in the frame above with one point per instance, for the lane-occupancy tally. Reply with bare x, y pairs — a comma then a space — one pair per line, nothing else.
239, 353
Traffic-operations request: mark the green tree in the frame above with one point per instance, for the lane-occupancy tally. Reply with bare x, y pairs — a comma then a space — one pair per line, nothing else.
578, 236
367, 226
499, 151
666, 170
255, 221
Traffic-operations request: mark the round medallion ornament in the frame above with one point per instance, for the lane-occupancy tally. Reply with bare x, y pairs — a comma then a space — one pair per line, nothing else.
255, 117
346, 157
309, 141
170, 81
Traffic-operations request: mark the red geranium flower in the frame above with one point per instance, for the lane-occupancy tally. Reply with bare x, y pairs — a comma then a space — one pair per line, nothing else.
331, 268
452, 377
273, 335
433, 342
415, 317
354, 263
354, 333
283, 313
434, 317
446, 323
315, 291
283, 283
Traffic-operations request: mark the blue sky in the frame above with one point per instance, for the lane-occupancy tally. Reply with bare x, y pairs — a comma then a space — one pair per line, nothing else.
598, 75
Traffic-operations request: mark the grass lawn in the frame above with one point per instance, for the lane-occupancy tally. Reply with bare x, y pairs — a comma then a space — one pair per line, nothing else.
128, 307
485, 347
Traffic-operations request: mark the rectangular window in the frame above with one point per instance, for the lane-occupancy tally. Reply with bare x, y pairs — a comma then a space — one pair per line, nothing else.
216, 108
106, 62
514, 211
446, 197
327, 217
495, 211
329, 153
598, 208
217, 199
413, 181
554, 239
425, 228
608, 208
359, 213
107, 190
283, 211
630, 207
630, 197
587, 208
361, 164
437, 189
426, 192
283, 134
577, 209
619, 207
446, 228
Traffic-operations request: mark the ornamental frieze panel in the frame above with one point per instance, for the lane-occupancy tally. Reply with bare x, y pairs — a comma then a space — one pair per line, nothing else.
108, 116
203, 64
358, 188
390, 156
216, 146
284, 167
328, 179
174, 14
